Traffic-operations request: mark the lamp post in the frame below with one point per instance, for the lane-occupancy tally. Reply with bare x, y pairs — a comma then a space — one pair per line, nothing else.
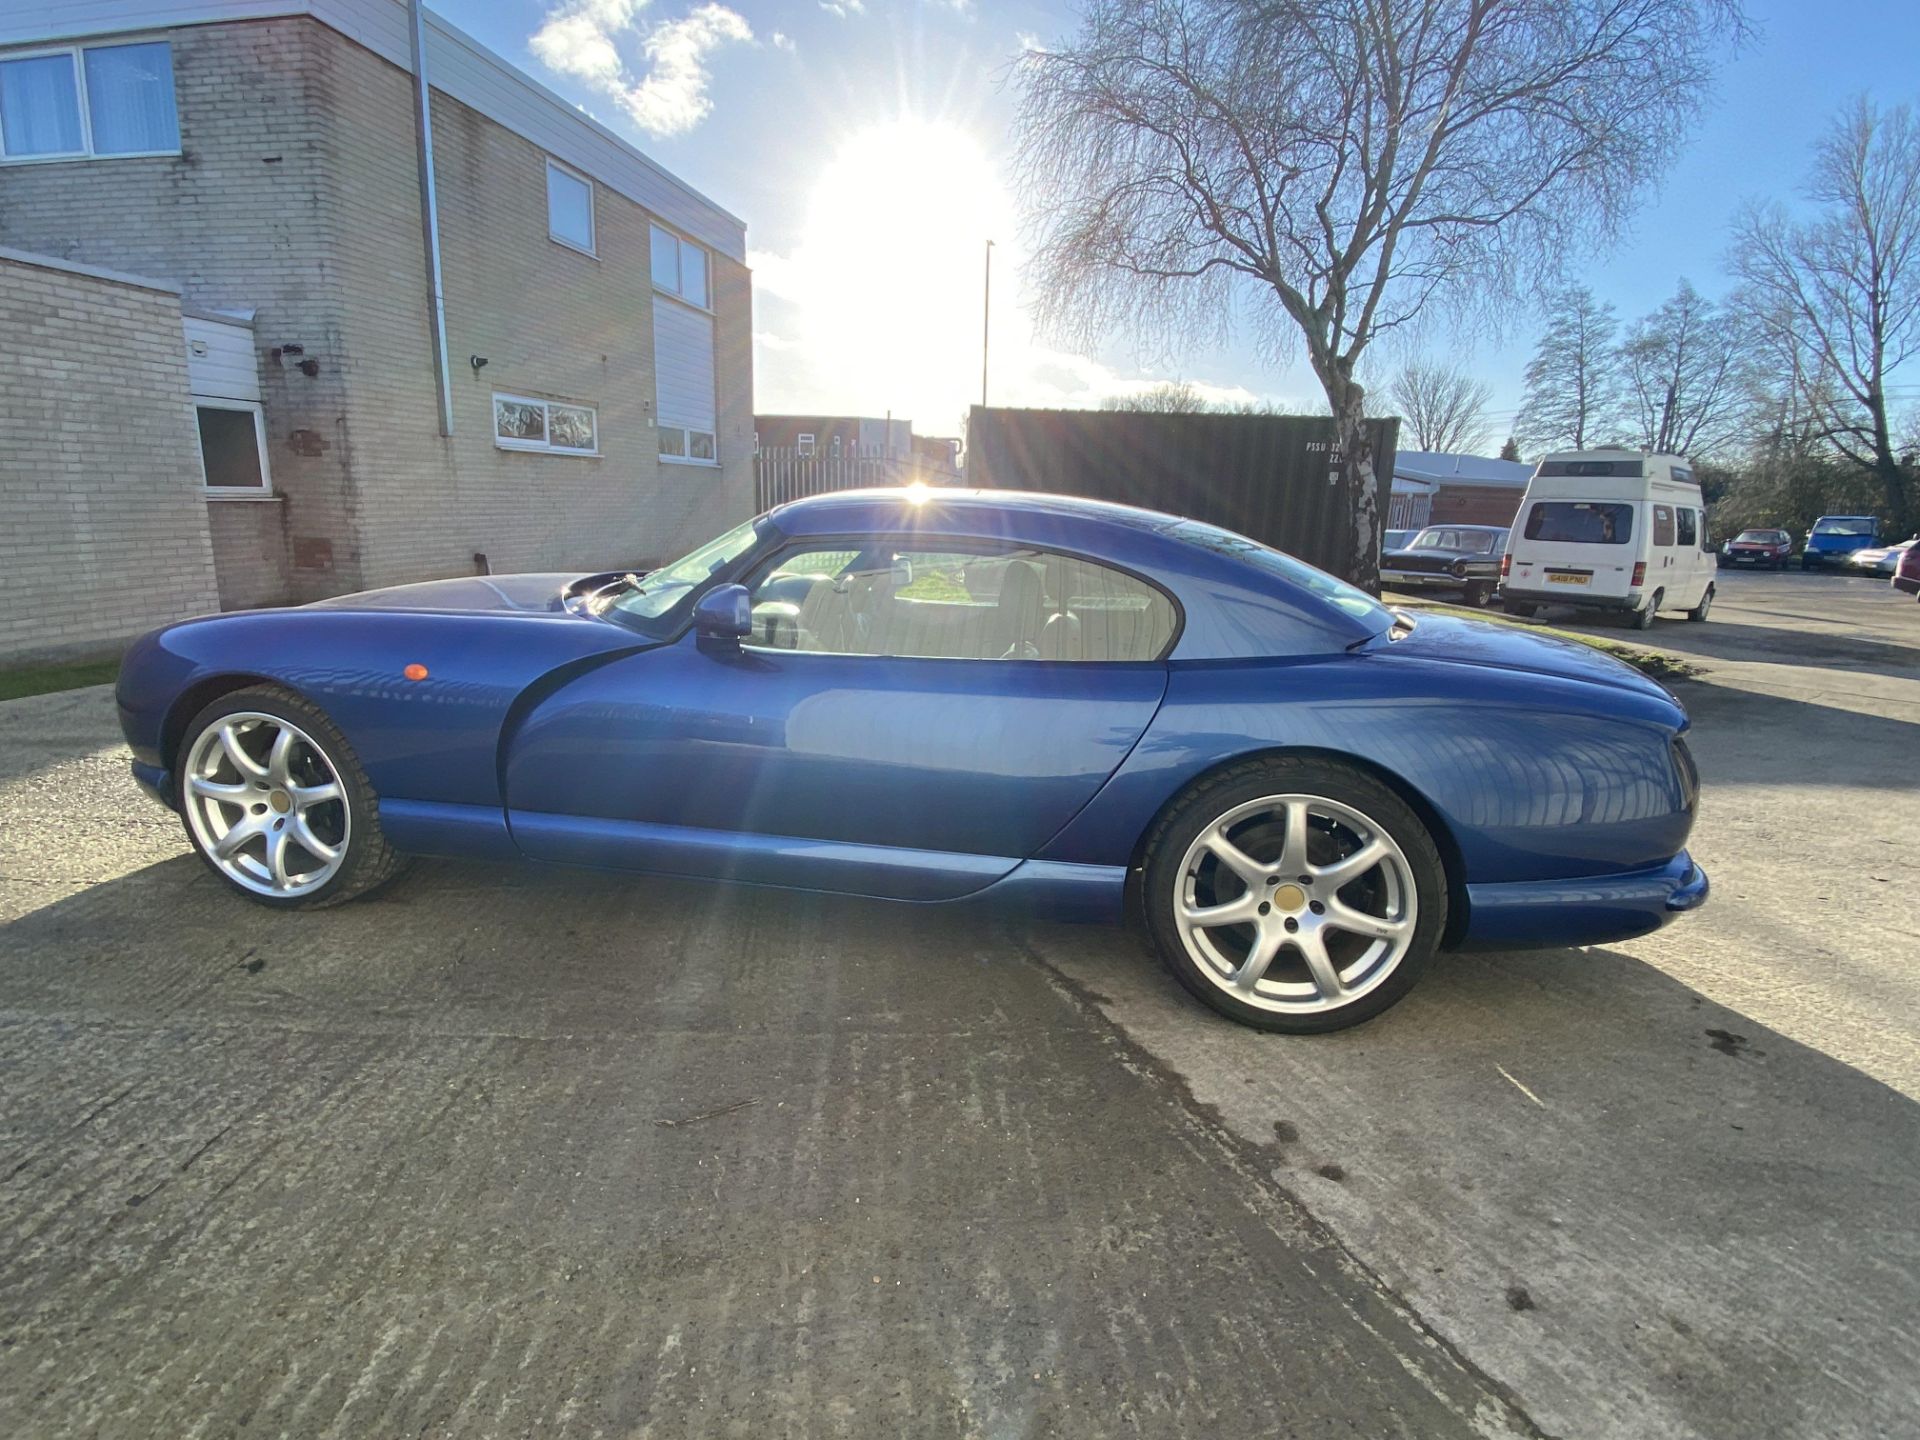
986, 318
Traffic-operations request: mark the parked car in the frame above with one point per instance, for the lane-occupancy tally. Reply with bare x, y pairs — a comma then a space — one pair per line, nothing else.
1769, 548
1906, 575
1396, 539
1610, 530
1464, 558
1879, 559
1303, 792
1834, 538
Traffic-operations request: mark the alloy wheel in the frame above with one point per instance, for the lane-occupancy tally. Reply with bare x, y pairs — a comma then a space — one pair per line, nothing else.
1295, 903
266, 804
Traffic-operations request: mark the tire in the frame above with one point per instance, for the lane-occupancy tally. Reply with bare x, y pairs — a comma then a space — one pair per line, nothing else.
1520, 608
1699, 612
1805, 564
315, 849
1318, 976
1479, 594
1643, 619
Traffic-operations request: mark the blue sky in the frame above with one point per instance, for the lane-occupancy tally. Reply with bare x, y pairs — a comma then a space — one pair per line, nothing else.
865, 142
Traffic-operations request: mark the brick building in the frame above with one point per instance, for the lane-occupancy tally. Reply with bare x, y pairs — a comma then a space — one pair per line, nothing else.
242, 178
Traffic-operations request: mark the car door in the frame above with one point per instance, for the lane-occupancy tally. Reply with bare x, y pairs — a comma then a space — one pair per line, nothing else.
908, 719
1690, 562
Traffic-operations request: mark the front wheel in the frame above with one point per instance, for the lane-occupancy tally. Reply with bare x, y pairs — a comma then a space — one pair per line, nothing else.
1699, 612
275, 802
1294, 894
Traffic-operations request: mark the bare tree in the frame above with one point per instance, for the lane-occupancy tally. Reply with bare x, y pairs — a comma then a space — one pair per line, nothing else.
1444, 408
1333, 170
1689, 377
1573, 383
1839, 293
1169, 397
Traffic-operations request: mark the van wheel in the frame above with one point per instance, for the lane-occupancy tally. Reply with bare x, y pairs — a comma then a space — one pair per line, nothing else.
1520, 608
1643, 619
1699, 612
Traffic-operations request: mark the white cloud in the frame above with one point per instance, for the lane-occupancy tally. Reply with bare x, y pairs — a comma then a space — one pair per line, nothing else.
843, 8
670, 97
782, 40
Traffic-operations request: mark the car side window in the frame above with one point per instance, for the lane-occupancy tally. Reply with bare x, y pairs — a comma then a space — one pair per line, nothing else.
1688, 534
998, 603
1663, 525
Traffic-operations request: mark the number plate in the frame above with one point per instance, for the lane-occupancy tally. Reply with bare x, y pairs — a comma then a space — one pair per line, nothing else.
1568, 579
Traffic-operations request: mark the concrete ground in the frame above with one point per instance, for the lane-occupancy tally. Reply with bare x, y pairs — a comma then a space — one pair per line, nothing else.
510, 1150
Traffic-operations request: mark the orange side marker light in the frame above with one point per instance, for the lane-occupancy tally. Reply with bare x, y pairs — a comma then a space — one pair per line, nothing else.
415, 671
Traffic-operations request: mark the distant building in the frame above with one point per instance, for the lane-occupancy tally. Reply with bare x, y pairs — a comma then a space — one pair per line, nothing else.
218, 341
1435, 488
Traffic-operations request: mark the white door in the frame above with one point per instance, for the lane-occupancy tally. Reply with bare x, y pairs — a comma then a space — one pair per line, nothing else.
1689, 523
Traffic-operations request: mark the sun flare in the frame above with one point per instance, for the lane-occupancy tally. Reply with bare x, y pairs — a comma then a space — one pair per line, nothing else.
887, 276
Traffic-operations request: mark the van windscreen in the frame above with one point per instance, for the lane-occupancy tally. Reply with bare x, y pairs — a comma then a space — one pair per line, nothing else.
1580, 522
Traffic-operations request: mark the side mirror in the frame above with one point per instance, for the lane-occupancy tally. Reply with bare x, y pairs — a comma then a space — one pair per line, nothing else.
724, 613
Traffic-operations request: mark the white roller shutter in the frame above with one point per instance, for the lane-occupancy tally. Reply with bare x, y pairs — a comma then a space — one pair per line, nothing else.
220, 360
683, 365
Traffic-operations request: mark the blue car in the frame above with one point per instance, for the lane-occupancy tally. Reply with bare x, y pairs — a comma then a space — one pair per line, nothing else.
935, 696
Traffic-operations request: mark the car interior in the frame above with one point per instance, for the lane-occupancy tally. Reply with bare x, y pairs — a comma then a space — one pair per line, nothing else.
1020, 605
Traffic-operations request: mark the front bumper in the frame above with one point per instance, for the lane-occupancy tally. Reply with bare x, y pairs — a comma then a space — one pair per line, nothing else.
1595, 910
1424, 580
1752, 557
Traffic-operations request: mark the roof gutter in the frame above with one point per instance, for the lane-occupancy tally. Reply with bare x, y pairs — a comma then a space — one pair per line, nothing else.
430, 216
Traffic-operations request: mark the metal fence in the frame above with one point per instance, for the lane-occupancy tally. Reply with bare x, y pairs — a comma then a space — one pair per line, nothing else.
781, 474
1272, 477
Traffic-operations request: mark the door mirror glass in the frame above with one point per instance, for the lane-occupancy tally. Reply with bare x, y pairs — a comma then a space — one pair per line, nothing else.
723, 613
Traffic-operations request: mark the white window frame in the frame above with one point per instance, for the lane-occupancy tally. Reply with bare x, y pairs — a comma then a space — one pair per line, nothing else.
262, 491
74, 55
676, 290
592, 247
804, 443
543, 446
687, 457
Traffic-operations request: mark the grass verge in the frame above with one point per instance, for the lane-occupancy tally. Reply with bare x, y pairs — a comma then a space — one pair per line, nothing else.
66, 675
1660, 664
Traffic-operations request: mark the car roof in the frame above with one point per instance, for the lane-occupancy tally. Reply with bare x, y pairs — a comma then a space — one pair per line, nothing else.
1216, 588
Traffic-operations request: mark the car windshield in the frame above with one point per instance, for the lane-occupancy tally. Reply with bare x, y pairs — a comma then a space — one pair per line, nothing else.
1338, 593
1757, 537
1471, 542
657, 601
1844, 525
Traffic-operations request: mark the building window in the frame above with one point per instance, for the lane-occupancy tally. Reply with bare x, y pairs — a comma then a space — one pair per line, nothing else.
521, 423
804, 443
92, 100
233, 448
569, 207
677, 442
679, 267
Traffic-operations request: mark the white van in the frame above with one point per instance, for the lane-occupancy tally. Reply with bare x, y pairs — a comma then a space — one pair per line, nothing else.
1610, 530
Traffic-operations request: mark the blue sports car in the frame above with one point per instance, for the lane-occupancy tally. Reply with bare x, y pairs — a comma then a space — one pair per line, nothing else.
938, 695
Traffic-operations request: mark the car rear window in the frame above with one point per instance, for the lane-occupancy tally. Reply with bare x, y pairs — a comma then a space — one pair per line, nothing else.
1580, 522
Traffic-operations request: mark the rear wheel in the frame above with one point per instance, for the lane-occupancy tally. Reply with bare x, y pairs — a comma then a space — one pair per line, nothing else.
275, 802
1699, 612
1294, 894
1643, 619
1479, 594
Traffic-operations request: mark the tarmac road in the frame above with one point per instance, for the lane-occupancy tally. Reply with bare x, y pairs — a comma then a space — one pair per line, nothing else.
463, 1159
